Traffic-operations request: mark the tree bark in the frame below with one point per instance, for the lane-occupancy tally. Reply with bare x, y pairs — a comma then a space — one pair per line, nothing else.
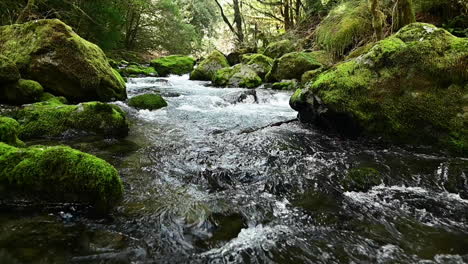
238, 21
26, 12
403, 14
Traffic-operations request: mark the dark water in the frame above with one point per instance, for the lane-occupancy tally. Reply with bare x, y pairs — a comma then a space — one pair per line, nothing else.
207, 180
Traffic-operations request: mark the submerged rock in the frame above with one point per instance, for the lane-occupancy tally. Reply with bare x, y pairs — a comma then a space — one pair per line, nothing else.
206, 70
279, 48
174, 64
261, 64
49, 52
138, 70
147, 101
293, 65
59, 174
237, 76
409, 88
241, 97
361, 179
9, 130
53, 119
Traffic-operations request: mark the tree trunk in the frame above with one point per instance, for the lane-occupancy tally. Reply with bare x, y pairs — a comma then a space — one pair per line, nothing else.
378, 18
403, 14
287, 18
238, 21
26, 12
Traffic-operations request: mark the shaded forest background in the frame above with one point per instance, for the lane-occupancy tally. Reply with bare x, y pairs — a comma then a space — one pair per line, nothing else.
196, 26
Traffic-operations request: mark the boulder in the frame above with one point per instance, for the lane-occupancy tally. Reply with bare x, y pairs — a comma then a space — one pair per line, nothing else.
8, 71
147, 101
260, 63
248, 96
21, 92
408, 88
175, 64
51, 53
239, 75
9, 130
206, 70
54, 119
293, 65
285, 85
235, 57
138, 71
279, 48
59, 174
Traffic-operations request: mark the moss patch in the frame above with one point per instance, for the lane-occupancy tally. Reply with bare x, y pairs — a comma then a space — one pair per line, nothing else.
147, 101
285, 85
292, 66
239, 75
8, 70
53, 119
9, 130
59, 174
174, 64
361, 179
49, 52
138, 70
206, 70
261, 64
21, 92
279, 48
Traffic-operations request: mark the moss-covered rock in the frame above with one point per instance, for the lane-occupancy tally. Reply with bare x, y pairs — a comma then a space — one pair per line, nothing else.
293, 65
9, 130
59, 174
53, 119
361, 179
239, 75
49, 52
147, 101
409, 88
260, 63
279, 48
21, 92
206, 70
175, 64
8, 71
138, 71
309, 76
285, 85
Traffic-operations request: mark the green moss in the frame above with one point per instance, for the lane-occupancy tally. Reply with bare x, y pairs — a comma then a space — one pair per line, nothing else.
361, 179
279, 48
9, 130
261, 64
21, 92
52, 118
174, 64
309, 76
52, 98
60, 174
345, 26
206, 70
408, 88
8, 70
147, 101
285, 85
49, 52
292, 66
138, 70
239, 75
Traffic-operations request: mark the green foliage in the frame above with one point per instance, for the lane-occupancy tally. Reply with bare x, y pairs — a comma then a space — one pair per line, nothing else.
9, 130
147, 101
52, 118
173, 65
346, 25
60, 174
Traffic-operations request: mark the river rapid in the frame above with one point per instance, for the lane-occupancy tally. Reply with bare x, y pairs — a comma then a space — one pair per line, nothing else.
217, 177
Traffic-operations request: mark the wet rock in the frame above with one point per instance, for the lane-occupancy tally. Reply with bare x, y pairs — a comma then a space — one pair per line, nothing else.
408, 88
206, 70
49, 52
249, 96
176, 64
147, 101
361, 179
237, 76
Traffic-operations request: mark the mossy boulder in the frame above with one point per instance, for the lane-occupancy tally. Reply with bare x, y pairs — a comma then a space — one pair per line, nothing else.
279, 48
175, 64
239, 75
59, 174
8, 71
293, 65
147, 101
309, 76
361, 179
21, 92
260, 63
138, 71
409, 88
51, 53
54, 119
285, 85
206, 70
9, 130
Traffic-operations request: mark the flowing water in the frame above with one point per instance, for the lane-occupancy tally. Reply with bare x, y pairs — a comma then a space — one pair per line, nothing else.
217, 179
